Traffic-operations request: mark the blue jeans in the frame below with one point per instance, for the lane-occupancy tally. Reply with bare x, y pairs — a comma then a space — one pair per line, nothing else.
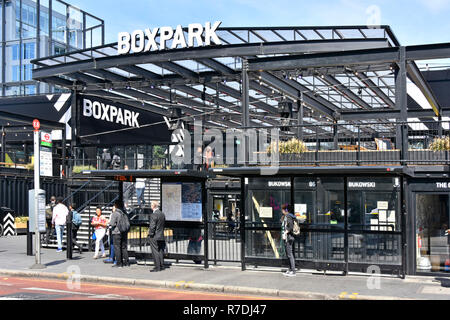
59, 234
140, 195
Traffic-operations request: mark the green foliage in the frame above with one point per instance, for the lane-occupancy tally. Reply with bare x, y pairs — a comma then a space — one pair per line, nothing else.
440, 144
293, 145
78, 169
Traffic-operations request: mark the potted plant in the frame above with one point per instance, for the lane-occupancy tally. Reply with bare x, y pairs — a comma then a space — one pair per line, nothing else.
289, 151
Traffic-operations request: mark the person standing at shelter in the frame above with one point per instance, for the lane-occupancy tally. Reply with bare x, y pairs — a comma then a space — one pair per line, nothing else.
140, 189
156, 235
48, 218
287, 229
99, 222
59, 217
75, 219
120, 237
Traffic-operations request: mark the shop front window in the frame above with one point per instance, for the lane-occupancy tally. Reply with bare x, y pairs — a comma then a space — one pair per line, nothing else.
374, 212
265, 198
432, 241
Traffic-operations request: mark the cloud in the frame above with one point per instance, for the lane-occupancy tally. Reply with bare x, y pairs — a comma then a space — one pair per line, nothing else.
436, 6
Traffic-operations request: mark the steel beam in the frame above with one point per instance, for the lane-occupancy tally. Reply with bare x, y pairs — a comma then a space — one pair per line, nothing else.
331, 59
416, 76
233, 50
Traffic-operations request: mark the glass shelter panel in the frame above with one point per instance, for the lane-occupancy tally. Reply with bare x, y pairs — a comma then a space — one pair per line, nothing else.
374, 220
263, 225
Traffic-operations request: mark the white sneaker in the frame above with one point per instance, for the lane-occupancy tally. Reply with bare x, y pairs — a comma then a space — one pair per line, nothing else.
95, 257
289, 274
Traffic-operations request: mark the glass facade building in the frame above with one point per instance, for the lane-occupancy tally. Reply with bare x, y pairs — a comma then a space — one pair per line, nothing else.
31, 29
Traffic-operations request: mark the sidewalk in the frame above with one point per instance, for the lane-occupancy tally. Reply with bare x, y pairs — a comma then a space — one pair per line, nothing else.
308, 284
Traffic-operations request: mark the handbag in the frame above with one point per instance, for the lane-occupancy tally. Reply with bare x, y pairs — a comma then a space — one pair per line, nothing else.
94, 237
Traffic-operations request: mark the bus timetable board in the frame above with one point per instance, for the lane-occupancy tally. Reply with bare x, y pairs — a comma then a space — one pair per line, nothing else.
182, 201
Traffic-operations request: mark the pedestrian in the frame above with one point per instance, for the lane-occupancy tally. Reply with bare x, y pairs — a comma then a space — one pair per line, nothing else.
230, 220
287, 232
195, 244
106, 159
120, 236
156, 236
59, 218
128, 188
99, 222
75, 218
48, 218
140, 189
115, 163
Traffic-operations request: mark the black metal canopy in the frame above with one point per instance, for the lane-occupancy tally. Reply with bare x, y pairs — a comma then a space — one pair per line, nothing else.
330, 74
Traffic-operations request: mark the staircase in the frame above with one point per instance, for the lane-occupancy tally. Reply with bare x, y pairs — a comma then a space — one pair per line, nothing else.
151, 192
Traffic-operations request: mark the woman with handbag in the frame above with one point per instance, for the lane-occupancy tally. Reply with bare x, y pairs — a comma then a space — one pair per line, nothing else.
99, 222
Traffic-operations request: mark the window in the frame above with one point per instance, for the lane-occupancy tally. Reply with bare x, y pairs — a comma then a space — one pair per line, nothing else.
30, 89
15, 52
59, 50
15, 73
27, 72
28, 50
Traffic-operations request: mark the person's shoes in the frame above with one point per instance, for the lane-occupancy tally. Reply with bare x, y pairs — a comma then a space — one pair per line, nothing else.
104, 255
116, 265
59, 250
109, 260
289, 274
95, 257
155, 270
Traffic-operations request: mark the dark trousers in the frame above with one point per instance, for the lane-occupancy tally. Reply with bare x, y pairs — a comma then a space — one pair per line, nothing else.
49, 231
158, 247
74, 236
120, 248
289, 245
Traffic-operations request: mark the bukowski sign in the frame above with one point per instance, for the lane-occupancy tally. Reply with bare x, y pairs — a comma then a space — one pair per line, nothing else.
105, 122
145, 40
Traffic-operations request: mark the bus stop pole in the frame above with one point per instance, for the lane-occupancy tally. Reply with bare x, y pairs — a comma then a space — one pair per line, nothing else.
37, 233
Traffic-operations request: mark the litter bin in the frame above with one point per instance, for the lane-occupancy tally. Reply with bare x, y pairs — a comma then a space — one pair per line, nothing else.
6, 226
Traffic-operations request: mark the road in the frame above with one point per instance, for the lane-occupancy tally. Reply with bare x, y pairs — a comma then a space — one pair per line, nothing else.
16, 288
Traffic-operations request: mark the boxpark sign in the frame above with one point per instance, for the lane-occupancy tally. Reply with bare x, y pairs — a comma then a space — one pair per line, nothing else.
106, 122
145, 40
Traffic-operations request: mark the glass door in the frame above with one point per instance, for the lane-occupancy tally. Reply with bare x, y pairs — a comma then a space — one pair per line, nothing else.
432, 243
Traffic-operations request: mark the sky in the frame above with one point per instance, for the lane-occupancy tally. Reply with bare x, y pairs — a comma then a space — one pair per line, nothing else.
413, 21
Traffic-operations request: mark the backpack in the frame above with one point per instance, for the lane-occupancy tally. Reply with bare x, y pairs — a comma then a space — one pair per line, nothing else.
76, 218
124, 223
296, 229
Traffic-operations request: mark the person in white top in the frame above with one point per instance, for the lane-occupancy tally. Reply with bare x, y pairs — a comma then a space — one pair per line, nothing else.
140, 188
60, 213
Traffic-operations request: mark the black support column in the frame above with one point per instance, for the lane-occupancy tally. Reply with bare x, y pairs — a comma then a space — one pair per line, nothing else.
245, 107
401, 105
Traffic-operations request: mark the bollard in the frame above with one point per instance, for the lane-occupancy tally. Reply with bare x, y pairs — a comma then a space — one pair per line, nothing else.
69, 240
29, 241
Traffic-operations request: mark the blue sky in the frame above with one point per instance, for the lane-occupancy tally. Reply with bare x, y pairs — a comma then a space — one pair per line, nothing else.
413, 22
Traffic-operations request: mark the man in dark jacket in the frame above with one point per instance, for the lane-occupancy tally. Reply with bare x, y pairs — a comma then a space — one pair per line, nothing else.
120, 239
156, 235
288, 237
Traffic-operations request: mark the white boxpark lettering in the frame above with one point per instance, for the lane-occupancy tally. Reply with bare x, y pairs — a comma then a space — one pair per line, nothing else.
110, 113
145, 40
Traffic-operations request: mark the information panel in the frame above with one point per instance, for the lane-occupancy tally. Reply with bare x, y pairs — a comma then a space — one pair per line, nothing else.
182, 201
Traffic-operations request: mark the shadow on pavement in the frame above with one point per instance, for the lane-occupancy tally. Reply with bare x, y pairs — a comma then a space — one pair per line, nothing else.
54, 263
445, 282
